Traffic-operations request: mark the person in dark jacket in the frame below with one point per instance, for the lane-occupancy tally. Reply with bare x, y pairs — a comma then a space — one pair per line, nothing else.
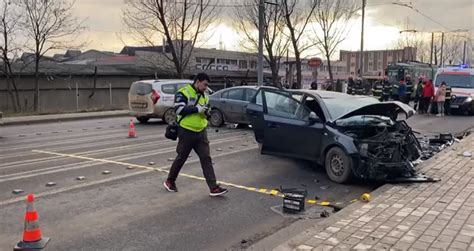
417, 100
402, 92
351, 86
387, 88
409, 86
377, 90
314, 85
447, 102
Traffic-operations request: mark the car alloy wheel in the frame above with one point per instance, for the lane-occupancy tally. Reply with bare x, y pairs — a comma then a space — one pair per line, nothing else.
169, 116
216, 118
337, 165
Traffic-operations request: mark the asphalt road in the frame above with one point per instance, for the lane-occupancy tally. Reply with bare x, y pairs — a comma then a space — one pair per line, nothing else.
129, 208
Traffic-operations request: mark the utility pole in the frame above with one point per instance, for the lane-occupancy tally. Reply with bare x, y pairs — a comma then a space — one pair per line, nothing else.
441, 61
361, 61
261, 17
432, 44
464, 53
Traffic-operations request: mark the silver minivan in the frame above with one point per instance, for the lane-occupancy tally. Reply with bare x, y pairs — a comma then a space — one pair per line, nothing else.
154, 99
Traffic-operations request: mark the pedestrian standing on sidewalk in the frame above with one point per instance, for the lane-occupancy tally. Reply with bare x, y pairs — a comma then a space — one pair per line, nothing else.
191, 105
427, 95
417, 100
440, 98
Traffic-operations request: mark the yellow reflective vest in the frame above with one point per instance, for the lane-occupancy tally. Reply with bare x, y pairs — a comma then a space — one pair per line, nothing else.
195, 122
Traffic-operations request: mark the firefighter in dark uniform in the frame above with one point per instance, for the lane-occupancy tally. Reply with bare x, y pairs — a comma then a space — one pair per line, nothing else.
377, 89
409, 91
394, 90
359, 88
447, 102
419, 89
386, 89
351, 86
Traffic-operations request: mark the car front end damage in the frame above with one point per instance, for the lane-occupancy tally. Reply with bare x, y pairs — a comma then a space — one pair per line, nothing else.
387, 150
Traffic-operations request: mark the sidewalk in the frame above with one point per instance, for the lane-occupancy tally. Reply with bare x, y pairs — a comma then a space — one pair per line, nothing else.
406, 216
60, 117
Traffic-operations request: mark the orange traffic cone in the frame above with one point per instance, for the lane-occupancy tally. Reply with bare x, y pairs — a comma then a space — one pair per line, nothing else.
32, 238
131, 130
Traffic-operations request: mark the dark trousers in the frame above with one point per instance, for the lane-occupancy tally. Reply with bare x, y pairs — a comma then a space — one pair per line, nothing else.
385, 97
197, 141
447, 107
425, 104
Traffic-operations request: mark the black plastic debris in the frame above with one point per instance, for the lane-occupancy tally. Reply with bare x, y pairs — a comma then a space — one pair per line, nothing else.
324, 214
293, 200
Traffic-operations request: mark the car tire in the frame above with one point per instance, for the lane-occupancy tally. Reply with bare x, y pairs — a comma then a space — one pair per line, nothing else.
216, 119
143, 120
169, 116
338, 165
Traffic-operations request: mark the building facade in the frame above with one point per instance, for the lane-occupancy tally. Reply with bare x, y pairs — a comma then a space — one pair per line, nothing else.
376, 61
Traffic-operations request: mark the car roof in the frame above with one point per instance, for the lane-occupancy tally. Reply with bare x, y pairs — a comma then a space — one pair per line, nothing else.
164, 81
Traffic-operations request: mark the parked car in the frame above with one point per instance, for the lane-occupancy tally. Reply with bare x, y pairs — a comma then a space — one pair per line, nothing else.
348, 135
154, 99
229, 105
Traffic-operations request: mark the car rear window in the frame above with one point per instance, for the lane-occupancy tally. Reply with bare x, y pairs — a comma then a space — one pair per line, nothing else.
172, 88
140, 88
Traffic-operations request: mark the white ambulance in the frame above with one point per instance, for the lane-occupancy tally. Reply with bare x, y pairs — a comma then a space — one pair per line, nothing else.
461, 80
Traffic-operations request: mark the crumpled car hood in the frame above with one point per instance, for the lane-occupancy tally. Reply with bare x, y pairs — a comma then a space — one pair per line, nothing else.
389, 109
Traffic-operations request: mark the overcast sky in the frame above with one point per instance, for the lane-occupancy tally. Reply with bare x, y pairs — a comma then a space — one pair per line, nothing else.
384, 20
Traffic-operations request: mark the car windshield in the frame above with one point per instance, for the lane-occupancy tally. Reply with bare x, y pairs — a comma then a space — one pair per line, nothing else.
338, 107
456, 81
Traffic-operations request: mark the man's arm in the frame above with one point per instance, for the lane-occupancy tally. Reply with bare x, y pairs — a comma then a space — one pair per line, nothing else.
181, 105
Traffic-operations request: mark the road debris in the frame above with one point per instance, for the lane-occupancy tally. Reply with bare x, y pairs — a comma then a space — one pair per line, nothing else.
365, 197
106, 172
51, 184
151, 163
170, 159
293, 200
324, 214
219, 149
325, 187
81, 178
17, 191
467, 154
130, 167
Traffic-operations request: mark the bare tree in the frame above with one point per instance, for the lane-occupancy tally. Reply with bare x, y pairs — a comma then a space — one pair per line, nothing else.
275, 44
9, 25
180, 22
297, 16
332, 19
420, 41
49, 25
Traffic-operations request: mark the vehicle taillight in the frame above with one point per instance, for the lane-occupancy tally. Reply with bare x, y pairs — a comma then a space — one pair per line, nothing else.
155, 96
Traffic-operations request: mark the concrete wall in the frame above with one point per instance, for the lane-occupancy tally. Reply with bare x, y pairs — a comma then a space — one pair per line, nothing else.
59, 94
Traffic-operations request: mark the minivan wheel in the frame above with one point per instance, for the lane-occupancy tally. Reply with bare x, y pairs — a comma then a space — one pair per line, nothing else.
143, 119
217, 119
169, 116
338, 165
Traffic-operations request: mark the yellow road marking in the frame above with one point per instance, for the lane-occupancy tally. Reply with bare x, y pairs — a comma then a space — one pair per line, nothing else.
272, 192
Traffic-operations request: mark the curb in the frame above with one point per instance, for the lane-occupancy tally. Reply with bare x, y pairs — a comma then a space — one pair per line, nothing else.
9, 121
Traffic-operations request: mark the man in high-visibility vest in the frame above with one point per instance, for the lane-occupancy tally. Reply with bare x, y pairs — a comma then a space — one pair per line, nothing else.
191, 105
447, 102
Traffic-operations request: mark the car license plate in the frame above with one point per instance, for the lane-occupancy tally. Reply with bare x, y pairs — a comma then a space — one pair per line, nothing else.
454, 106
139, 105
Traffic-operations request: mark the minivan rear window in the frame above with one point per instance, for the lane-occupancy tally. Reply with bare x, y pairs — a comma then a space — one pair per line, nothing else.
172, 88
140, 88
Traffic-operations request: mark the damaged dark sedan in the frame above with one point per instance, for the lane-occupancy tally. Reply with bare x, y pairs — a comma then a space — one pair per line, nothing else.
348, 135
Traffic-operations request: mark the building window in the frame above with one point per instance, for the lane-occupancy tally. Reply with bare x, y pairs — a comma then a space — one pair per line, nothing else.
243, 64
233, 62
253, 64
353, 55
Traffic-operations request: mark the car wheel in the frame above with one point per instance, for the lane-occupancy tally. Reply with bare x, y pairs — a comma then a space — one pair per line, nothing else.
217, 119
143, 119
169, 116
338, 165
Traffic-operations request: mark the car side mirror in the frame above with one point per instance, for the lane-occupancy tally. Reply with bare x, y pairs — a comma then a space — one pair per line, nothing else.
313, 118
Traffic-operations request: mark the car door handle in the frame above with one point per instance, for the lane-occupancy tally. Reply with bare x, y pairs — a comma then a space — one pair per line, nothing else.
273, 125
